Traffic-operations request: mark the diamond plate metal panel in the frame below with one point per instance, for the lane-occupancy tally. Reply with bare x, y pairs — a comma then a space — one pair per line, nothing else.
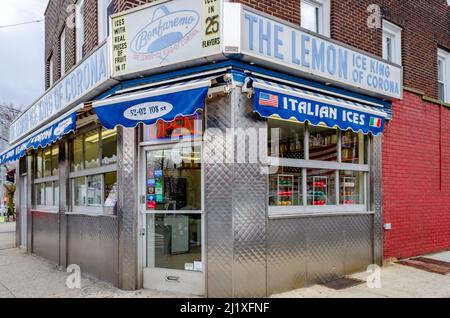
377, 199
218, 185
326, 248
46, 235
287, 254
92, 243
127, 206
359, 236
249, 207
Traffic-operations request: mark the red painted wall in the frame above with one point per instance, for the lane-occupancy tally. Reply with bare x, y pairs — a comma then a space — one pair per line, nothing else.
416, 178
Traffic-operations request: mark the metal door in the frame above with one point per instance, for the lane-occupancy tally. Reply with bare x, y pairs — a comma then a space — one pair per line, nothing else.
173, 250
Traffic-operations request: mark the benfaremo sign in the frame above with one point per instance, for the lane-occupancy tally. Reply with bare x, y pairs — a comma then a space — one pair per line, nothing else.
271, 41
169, 33
79, 83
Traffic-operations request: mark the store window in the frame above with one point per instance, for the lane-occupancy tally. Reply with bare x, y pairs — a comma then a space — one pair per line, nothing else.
330, 176
392, 42
444, 75
315, 16
93, 176
46, 178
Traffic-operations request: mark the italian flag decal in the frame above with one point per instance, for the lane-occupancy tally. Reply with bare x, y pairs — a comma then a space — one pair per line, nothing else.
375, 122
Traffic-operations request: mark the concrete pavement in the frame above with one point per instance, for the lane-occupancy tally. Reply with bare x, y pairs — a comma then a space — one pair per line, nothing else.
26, 275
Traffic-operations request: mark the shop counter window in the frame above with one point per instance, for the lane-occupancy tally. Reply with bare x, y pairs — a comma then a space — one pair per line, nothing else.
93, 176
46, 178
330, 176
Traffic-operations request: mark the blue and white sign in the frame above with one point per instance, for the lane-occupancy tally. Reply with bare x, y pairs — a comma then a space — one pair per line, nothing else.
166, 103
267, 40
81, 81
301, 106
165, 34
41, 139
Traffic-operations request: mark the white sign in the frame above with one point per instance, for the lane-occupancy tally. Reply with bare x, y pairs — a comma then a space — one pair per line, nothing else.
91, 73
165, 34
271, 41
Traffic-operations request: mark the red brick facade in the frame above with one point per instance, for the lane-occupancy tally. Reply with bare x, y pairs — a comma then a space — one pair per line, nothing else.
416, 145
416, 178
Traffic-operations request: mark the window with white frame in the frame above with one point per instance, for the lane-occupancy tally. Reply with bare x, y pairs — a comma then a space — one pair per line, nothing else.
443, 63
79, 13
93, 171
392, 42
46, 178
315, 16
50, 71
62, 47
105, 10
316, 169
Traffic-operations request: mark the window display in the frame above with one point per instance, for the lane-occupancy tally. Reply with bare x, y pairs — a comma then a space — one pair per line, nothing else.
323, 143
174, 179
321, 187
323, 174
286, 139
351, 187
46, 175
285, 187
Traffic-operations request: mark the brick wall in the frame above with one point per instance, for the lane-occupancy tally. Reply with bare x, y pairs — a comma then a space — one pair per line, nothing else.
416, 178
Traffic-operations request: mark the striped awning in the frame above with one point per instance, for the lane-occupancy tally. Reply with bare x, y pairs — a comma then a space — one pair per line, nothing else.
275, 100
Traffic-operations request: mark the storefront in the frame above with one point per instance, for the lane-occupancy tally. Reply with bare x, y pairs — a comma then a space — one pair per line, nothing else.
221, 161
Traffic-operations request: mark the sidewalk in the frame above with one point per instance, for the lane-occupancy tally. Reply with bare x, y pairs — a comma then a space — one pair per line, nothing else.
7, 235
397, 281
27, 275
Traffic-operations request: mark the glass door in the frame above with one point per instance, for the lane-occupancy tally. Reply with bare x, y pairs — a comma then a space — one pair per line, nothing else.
173, 218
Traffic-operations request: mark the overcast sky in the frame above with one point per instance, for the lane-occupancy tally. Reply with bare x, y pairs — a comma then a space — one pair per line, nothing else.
22, 53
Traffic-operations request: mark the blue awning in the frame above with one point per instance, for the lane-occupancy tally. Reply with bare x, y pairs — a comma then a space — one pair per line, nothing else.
44, 137
149, 106
273, 100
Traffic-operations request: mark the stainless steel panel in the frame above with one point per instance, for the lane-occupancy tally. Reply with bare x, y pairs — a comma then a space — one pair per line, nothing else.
249, 208
63, 200
46, 235
218, 186
308, 250
377, 199
92, 243
287, 254
127, 207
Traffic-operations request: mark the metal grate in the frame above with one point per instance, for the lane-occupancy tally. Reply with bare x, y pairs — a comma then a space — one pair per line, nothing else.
343, 283
428, 264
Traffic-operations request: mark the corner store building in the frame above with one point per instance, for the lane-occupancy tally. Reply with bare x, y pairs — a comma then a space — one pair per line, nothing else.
253, 240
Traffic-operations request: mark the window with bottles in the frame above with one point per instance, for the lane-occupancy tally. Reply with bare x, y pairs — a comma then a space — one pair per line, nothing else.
316, 169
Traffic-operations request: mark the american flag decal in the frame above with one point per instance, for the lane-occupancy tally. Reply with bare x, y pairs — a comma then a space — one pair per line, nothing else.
266, 99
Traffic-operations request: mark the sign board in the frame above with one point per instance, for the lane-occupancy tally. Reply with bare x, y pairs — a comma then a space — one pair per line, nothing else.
294, 50
165, 34
87, 76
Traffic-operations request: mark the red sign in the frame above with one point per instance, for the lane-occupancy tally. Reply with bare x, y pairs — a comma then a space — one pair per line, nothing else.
182, 126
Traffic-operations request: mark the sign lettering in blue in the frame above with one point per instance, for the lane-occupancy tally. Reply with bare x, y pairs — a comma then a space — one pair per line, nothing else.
268, 103
305, 53
88, 75
41, 139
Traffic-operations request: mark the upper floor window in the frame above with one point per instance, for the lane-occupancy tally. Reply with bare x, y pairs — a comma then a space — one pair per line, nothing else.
50, 71
80, 29
315, 16
62, 47
105, 10
392, 42
444, 75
